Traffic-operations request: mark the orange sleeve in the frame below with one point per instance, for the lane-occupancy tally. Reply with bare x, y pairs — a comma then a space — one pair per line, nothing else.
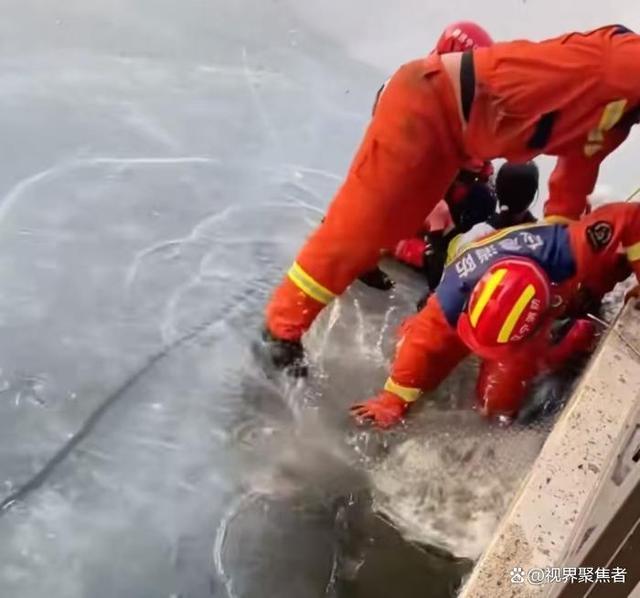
630, 237
622, 75
575, 175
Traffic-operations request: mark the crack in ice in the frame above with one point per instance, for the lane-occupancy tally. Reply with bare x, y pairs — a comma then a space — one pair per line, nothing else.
194, 235
230, 514
16, 192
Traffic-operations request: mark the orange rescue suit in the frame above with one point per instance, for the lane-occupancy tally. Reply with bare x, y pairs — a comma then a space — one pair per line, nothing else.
574, 96
430, 348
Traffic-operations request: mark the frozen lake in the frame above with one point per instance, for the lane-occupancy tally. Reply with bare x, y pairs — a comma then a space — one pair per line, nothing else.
161, 163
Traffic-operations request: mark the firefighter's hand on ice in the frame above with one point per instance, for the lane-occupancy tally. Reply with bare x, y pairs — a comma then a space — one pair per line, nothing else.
377, 279
384, 410
278, 355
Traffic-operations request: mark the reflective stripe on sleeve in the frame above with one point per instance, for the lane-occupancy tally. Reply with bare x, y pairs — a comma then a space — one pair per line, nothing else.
308, 285
633, 252
406, 393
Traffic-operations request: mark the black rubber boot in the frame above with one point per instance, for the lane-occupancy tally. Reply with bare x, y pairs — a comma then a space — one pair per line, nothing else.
277, 355
377, 279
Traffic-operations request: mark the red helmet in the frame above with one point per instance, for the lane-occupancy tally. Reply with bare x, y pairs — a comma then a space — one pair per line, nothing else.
461, 36
507, 304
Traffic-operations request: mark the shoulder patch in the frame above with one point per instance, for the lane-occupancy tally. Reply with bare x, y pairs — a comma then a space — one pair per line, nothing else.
599, 235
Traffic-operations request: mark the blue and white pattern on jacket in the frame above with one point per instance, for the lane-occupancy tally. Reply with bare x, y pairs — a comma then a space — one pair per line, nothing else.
547, 244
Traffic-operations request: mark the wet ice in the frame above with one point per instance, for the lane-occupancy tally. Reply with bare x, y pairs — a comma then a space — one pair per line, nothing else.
159, 169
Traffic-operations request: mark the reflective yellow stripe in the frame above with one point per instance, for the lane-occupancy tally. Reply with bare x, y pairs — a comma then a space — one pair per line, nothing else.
453, 248
595, 136
515, 313
404, 392
308, 285
487, 292
591, 149
612, 114
633, 252
497, 236
557, 219
457, 247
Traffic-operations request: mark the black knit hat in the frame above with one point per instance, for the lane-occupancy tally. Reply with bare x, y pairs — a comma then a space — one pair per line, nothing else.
516, 186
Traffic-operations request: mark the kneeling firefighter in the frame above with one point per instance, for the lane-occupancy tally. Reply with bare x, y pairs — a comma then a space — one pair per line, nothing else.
499, 299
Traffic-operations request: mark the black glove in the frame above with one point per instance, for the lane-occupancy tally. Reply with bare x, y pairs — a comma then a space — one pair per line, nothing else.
276, 354
435, 257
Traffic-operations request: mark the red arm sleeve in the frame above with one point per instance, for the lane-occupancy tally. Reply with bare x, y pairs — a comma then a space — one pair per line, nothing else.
622, 74
575, 176
630, 237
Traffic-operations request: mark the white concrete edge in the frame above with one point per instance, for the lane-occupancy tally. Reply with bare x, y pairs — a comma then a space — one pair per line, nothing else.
607, 495
539, 528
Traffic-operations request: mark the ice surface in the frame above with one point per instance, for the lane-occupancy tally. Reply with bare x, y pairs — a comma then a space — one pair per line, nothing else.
161, 163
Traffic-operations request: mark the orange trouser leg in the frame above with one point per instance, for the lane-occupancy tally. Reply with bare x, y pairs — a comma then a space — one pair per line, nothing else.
427, 353
409, 156
503, 385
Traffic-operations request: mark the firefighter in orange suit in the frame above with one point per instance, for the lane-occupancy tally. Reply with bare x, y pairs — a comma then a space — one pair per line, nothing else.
498, 299
574, 97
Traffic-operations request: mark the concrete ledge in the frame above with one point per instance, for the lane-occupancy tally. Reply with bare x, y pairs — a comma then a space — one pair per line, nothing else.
545, 523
